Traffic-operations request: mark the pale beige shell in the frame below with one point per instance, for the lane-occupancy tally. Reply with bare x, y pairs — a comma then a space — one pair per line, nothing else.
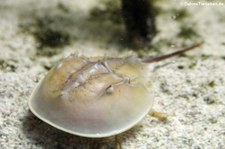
93, 97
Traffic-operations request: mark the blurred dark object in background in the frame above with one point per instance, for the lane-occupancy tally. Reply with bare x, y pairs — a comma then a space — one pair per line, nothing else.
139, 21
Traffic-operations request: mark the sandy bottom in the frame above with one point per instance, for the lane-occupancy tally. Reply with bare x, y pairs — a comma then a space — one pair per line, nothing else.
189, 89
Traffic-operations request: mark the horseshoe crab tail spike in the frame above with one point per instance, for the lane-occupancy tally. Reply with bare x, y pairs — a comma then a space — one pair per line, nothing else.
156, 59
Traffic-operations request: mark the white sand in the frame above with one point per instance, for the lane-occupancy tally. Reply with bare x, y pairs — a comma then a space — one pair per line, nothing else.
193, 96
